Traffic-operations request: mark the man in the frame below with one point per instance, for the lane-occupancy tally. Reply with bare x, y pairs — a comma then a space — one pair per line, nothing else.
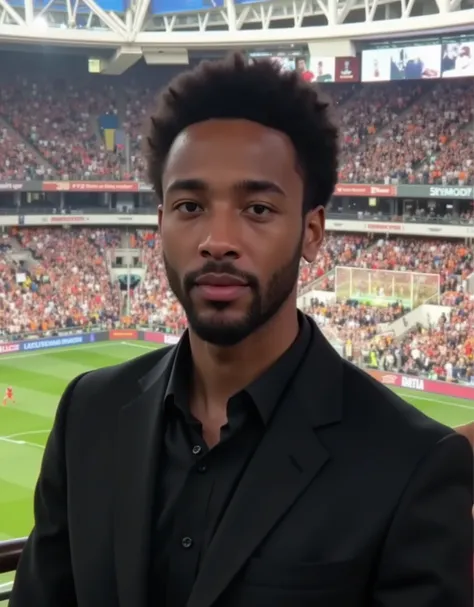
303, 71
8, 397
248, 466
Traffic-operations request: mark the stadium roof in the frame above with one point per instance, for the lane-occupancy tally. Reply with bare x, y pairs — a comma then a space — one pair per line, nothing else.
136, 26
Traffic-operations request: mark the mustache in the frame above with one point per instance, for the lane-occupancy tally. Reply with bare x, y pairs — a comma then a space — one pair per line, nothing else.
217, 267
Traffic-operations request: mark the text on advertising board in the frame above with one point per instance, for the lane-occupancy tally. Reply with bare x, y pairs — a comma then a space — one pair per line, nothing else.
385, 227
91, 186
6, 348
414, 383
171, 340
67, 219
451, 192
123, 334
11, 187
52, 343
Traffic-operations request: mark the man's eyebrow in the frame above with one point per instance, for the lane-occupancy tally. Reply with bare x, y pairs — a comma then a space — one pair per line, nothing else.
247, 186
255, 186
193, 185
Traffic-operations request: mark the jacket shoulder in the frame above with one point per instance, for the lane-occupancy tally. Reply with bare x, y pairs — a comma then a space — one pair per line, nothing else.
118, 382
384, 411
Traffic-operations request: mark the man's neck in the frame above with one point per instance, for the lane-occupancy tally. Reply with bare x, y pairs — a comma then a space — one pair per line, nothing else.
221, 372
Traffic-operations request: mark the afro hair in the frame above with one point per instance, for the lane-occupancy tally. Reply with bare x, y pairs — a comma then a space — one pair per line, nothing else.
259, 91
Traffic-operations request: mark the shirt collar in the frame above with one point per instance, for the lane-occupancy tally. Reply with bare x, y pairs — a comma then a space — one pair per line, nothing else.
265, 392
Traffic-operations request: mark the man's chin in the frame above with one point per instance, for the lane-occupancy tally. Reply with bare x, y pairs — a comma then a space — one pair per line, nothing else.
221, 335
221, 328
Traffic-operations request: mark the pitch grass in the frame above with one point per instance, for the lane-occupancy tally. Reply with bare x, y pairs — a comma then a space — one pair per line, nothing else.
39, 379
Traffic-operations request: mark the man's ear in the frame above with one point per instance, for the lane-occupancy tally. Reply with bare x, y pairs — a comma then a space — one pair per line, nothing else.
468, 431
160, 217
314, 222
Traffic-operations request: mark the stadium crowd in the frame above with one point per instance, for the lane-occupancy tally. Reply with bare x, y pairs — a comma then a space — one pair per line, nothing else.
65, 282
444, 350
426, 143
390, 132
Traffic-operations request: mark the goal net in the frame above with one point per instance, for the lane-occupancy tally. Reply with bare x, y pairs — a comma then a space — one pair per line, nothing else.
384, 287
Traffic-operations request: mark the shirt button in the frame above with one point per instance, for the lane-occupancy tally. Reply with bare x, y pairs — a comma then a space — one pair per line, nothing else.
186, 542
196, 450
202, 468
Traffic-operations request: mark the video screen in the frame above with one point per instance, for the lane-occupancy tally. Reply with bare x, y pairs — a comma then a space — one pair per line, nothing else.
404, 63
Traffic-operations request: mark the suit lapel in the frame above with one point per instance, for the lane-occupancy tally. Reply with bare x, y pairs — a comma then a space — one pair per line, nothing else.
287, 460
138, 445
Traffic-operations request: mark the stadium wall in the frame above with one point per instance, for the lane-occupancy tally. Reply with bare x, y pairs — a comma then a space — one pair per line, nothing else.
395, 380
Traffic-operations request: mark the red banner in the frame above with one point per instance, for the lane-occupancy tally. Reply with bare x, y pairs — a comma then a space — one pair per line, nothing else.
422, 385
359, 189
347, 69
68, 219
91, 186
156, 338
385, 227
123, 334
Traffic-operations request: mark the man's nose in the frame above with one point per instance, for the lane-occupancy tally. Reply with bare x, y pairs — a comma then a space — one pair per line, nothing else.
221, 239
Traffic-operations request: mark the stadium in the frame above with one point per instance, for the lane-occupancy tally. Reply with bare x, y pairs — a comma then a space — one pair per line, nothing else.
82, 281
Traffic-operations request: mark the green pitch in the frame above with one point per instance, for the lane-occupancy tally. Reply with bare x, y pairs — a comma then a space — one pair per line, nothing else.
39, 378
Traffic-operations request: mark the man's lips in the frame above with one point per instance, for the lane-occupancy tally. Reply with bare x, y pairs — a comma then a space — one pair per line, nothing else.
221, 280
220, 287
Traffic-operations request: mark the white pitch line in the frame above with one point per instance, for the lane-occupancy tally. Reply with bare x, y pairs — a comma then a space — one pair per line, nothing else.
126, 343
6, 586
21, 442
27, 433
50, 350
437, 401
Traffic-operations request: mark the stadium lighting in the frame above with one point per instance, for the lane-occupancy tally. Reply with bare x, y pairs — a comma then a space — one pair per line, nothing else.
40, 24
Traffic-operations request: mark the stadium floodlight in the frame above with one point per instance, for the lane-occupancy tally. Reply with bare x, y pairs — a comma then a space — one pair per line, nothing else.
40, 24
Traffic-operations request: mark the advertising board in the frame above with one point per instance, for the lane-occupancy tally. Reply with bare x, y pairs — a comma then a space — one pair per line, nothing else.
362, 189
422, 384
347, 69
156, 338
53, 342
123, 334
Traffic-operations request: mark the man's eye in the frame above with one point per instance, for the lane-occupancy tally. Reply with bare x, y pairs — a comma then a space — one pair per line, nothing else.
259, 209
188, 207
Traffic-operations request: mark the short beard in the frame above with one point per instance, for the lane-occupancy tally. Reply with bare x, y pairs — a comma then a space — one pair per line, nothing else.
262, 308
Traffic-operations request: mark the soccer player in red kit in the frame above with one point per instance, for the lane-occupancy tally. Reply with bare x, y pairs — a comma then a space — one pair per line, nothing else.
9, 396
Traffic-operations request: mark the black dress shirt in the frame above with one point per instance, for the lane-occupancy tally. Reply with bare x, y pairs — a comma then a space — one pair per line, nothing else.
195, 483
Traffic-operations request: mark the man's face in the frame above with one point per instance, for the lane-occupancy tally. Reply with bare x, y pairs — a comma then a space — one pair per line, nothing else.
232, 226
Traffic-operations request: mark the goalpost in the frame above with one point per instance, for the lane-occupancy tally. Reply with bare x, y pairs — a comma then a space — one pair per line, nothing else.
384, 287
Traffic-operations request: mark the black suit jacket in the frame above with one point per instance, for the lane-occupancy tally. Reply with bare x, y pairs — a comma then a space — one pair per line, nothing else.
352, 499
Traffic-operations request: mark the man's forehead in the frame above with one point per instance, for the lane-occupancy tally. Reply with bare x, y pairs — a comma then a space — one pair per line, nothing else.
235, 143
229, 133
